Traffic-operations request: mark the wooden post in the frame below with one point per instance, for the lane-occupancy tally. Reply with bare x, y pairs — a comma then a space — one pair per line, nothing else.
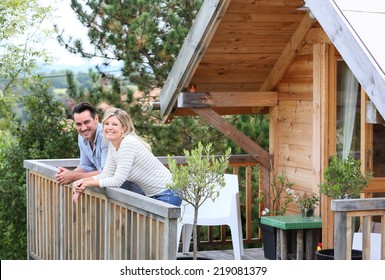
300, 244
340, 238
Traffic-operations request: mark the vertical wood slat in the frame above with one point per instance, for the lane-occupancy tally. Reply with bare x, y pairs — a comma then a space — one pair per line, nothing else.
366, 230
383, 237
348, 237
248, 203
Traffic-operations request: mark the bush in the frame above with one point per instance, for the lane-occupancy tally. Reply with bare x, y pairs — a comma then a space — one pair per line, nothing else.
343, 178
44, 134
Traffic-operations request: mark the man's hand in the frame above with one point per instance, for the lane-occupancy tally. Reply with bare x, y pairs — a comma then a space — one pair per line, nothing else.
64, 176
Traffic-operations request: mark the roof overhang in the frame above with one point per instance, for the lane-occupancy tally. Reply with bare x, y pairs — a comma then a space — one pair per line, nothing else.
191, 52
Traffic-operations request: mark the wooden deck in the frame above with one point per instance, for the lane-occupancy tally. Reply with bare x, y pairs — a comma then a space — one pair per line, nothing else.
249, 254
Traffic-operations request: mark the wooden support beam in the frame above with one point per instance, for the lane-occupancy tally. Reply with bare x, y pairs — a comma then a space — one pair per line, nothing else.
225, 111
289, 53
256, 151
317, 36
227, 99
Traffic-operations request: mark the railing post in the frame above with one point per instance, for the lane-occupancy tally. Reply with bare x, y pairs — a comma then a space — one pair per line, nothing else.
28, 213
61, 223
344, 211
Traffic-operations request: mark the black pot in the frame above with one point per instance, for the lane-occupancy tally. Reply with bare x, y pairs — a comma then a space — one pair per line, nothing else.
269, 237
328, 254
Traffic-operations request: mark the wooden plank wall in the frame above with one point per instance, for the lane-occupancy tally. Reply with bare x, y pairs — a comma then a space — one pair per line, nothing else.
293, 125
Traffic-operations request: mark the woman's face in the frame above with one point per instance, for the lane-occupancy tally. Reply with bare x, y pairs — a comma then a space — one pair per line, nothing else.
113, 129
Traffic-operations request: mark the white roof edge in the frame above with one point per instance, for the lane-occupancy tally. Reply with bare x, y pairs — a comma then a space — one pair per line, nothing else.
355, 52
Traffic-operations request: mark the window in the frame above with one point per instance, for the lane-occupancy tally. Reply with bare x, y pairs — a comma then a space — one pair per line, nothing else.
348, 112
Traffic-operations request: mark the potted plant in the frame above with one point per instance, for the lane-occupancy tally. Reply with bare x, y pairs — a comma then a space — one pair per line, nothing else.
199, 179
280, 196
307, 205
343, 179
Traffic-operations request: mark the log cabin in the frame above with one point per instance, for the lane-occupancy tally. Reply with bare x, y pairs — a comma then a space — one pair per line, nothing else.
315, 67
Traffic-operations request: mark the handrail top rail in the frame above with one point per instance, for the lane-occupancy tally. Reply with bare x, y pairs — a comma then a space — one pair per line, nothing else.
49, 166
243, 159
358, 204
142, 202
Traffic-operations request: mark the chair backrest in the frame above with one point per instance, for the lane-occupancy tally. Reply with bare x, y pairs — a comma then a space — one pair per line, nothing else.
375, 240
375, 244
221, 204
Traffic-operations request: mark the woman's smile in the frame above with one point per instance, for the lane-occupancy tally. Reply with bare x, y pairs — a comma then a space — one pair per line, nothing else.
114, 130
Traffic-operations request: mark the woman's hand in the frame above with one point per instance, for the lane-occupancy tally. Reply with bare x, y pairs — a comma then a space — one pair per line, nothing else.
78, 187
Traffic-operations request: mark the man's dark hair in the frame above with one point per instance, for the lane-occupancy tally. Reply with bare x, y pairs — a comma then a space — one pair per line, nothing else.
84, 106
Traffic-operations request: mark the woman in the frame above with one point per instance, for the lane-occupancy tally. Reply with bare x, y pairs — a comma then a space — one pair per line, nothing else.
129, 159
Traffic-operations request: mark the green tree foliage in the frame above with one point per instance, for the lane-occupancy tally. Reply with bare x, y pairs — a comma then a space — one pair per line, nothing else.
45, 134
256, 127
145, 34
20, 35
343, 178
181, 133
47, 130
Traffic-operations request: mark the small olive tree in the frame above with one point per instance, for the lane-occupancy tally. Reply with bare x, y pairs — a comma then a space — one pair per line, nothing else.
199, 179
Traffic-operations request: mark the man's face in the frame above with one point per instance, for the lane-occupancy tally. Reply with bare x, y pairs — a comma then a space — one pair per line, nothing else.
86, 125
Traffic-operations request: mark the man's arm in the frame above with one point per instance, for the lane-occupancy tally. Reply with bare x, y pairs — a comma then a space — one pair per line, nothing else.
65, 176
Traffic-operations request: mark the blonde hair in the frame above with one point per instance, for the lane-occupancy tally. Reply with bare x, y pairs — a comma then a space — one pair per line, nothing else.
126, 122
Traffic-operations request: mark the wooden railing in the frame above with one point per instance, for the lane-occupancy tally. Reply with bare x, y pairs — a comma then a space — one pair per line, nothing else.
105, 224
112, 223
344, 212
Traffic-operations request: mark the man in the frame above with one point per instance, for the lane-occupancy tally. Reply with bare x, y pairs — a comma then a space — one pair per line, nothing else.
93, 149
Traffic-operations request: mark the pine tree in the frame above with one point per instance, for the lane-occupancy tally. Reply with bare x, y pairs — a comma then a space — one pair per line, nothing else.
145, 34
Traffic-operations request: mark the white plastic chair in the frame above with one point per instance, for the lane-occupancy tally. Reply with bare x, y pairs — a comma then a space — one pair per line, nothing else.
375, 241
375, 244
225, 210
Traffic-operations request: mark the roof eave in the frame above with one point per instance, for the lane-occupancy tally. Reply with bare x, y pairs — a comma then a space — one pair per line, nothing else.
196, 42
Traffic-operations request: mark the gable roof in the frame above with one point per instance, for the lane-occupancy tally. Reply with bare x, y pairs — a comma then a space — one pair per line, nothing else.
245, 46
219, 55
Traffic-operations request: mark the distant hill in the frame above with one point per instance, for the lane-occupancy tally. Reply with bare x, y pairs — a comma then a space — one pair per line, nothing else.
78, 68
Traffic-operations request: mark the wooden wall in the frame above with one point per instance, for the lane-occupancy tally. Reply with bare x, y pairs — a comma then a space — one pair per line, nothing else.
292, 126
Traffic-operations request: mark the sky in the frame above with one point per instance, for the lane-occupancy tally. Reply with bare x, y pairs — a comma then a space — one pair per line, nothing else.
66, 19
